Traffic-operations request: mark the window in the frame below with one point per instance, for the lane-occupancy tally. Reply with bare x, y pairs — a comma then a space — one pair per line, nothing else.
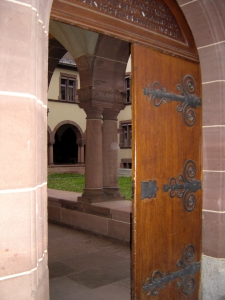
128, 89
126, 163
125, 134
67, 88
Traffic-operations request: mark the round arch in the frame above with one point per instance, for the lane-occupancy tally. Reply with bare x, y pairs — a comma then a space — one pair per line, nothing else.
69, 141
206, 20
75, 127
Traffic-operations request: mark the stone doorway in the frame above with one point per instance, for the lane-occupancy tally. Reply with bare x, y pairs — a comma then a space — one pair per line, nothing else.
96, 192
24, 103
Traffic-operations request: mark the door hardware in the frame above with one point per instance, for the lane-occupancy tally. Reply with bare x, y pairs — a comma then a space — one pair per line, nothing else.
158, 281
158, 95
185, 186
148, 189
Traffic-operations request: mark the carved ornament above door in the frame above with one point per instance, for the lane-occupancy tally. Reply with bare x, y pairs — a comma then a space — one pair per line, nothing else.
159, 24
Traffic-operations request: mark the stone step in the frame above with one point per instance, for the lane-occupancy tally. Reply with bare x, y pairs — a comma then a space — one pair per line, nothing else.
111, 219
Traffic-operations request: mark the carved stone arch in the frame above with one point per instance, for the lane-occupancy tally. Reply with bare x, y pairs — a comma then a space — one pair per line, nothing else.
76, 129
111, 57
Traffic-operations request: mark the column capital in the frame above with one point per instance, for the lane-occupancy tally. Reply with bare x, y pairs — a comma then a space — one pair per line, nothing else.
51, 141
106, 98
110, 114
93, 112
81, 142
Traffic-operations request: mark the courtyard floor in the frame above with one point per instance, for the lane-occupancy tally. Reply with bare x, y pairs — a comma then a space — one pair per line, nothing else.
84, 266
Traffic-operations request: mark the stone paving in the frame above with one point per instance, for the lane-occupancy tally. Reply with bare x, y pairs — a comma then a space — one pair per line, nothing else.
84, 266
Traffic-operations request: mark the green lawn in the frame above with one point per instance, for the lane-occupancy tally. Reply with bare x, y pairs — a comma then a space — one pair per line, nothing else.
75, 183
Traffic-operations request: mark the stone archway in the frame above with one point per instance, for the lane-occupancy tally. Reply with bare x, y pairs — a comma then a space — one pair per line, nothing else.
206, 21
76, 128
24, 102
65, 148
72, 150
97, 86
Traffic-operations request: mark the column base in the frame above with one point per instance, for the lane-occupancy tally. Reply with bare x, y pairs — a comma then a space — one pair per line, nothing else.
92, 196
113, 194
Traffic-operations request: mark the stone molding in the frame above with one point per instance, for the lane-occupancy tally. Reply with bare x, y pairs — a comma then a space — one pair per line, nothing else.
91, 195
101, 97
111, 114
81, 142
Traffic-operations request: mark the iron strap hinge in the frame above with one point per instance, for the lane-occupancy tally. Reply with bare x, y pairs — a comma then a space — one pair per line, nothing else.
185, 186
148, 189
189, 100
154, 285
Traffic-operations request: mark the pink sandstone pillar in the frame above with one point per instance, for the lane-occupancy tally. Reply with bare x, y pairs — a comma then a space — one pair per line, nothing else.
110, 155
23, 189
93, 191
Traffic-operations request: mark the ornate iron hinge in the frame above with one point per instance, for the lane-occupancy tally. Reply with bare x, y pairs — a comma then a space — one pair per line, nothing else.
148, 189
158, 95
185, 186
154, 285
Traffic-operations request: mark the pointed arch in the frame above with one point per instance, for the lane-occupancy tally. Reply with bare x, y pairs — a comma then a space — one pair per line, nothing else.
75, 127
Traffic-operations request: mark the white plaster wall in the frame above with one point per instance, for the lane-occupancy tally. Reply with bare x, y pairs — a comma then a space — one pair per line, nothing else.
128, 69
125, 114
59, 112
53, 91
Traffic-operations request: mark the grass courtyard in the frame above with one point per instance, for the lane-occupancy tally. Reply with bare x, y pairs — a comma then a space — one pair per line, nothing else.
75, 183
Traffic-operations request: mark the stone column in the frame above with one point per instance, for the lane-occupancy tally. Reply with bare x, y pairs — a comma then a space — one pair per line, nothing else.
23, 190
110, 155
93, 191
50, 152
80, 155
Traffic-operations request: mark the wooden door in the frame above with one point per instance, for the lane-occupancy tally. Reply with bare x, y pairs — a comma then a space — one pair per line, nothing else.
167, 139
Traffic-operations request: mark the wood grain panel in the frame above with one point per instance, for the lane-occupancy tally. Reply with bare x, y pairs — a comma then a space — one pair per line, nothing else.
162, 228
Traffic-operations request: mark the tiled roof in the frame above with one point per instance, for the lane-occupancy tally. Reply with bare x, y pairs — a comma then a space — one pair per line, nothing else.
67, 59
